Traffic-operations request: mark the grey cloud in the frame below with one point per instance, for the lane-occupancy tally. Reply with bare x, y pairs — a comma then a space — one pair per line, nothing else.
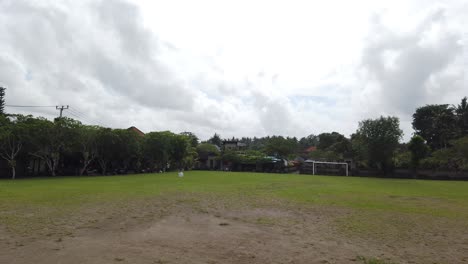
403, 64
123, 19
62, 47
275, 115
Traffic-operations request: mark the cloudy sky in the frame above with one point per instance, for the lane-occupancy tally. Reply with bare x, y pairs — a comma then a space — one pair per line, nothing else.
238, 68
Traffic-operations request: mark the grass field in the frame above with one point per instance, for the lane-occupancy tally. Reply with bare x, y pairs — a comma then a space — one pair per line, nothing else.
341, 219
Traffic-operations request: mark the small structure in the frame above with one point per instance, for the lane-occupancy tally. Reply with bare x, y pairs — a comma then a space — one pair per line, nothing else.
231, 145
209, 161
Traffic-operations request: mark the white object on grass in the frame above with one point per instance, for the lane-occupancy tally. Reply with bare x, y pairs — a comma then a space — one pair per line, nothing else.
181, 174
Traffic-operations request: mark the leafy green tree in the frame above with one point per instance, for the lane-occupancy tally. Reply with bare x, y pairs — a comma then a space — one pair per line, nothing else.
419, 150
157, 149
180, 149
86, 143
326, 140
325, 155
403, 159
359, 151
49, 139
460, 151
380, 139
206, 149
192, 137
462, 117
106, 142
310, 140
12, 139
280, 146
2, 100
252, 157
127, 147
216, 140
230, 155
454, 158
436, 124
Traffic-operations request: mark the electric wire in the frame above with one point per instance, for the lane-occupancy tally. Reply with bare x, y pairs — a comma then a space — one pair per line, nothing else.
32, 106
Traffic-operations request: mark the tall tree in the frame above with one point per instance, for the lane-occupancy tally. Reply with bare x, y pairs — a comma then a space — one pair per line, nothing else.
462, 116
380, 138
419, 150
181, 147
106, 143
436, 124
128, 148
206, 149
157, 149
280, 146
86, 144
2, 100
325, 140
216, 140
310, 140
46, 142
192, 137
12, 139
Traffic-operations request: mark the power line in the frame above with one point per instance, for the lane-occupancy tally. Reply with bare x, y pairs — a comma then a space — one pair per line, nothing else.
72, 111
30, 105
76, 110
78, 117
85, 117
81, 117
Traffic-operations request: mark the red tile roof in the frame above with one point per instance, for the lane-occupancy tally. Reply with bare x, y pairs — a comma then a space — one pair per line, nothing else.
310, 149
138, 131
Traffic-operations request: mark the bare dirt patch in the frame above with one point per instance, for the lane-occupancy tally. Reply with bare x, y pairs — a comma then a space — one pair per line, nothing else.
199, 229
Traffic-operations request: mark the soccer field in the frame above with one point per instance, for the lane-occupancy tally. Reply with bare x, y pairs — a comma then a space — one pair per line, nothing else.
227, 217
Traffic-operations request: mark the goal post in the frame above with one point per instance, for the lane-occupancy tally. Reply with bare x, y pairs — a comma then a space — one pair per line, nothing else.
314, 163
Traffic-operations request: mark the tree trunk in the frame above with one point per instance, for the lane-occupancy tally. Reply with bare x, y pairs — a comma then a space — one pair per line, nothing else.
83, 169
103, 165
50, 166
13, 173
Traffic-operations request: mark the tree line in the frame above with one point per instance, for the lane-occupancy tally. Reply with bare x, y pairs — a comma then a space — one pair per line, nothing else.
439, 142
66, 146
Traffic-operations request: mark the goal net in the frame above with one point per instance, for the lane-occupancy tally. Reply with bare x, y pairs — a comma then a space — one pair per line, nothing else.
325, 168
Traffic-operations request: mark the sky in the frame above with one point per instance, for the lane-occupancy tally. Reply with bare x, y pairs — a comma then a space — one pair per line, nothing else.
236, 68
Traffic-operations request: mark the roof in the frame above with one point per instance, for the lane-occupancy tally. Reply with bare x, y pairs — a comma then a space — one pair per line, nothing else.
310, 149
230, 141
138, 131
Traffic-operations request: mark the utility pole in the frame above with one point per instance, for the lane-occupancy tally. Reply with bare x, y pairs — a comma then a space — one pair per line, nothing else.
61, 109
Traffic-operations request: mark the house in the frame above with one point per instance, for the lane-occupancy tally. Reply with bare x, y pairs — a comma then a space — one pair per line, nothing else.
233, 145
209, 161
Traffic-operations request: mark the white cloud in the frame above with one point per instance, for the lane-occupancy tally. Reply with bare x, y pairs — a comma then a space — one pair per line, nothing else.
244, 68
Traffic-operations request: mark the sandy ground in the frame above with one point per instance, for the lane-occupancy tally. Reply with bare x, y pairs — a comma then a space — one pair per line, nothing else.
195, 231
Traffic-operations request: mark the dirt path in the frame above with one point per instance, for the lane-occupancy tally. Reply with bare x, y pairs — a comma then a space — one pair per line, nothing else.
197, 232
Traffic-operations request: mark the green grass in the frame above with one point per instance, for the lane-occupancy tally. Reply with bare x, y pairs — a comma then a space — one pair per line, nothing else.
384, 209
434, 198
389, 210
373, 260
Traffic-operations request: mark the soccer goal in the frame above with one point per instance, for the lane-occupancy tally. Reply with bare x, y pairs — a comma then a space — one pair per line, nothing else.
328, 167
